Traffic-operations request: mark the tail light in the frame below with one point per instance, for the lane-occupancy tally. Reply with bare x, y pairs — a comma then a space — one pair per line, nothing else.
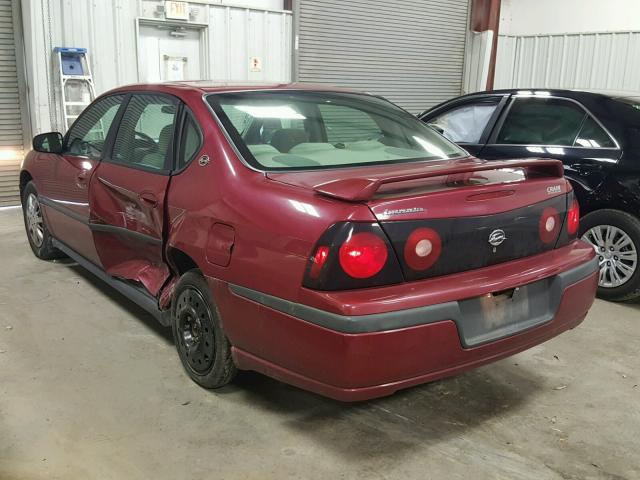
422, 249
549, 225
573, 218
352, 255
318, 260
363, 255
571, 222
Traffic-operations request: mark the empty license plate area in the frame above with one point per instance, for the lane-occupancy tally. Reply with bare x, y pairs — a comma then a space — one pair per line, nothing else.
499, 314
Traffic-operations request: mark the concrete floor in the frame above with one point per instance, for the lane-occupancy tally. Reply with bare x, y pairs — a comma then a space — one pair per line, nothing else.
90, 387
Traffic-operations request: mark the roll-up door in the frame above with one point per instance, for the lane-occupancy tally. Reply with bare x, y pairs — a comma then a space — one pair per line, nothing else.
11, 134
410, 51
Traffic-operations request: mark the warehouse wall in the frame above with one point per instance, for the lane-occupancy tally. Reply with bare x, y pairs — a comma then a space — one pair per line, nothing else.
109, 29
543, 17
411, 52
589, 44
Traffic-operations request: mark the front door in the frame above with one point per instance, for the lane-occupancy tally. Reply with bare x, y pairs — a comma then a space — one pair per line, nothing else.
128, 189
468, 122
64, 191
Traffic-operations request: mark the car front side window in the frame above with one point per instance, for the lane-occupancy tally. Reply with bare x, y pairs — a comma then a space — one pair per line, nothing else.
145, 134
466, 123
88, 134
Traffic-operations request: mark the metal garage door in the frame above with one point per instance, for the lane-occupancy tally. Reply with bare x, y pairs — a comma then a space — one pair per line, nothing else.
410, 51
11, 135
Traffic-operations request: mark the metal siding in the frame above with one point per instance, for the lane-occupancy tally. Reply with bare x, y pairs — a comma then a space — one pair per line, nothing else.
603, 61
11, 132
109, 30
411, 52
237, 34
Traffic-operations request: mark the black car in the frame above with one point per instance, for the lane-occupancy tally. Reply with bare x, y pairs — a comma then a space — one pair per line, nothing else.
597, 137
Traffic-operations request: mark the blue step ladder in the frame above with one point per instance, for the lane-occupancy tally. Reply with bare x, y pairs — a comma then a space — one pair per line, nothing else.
75, 82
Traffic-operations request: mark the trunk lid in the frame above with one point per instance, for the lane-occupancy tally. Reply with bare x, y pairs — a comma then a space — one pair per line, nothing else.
482, 212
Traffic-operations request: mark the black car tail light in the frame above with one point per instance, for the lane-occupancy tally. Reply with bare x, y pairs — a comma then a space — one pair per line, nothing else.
352, 255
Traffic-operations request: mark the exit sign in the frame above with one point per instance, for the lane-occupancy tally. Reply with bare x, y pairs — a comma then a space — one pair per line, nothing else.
176, 10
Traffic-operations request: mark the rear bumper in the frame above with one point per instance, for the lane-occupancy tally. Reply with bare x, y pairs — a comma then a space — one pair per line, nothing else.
353, 358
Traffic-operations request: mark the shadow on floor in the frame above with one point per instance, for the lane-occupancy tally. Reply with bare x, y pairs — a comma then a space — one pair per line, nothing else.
133, 309
396, 425
389, 427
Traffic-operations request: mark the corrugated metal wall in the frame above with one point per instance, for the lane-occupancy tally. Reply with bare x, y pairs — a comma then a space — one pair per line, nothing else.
411, 52
11, 108
236, 34
109, 30
603, 61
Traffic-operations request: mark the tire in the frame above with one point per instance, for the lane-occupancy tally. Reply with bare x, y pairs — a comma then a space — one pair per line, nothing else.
619, 255
40, 239
203, 348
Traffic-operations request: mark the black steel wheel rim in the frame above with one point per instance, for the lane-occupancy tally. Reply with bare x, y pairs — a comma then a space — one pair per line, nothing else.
195, 330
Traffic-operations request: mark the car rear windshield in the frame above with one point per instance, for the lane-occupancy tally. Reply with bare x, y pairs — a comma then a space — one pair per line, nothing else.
285, 130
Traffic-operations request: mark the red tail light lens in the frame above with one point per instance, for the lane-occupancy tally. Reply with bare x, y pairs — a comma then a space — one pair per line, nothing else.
318, 261
573, 218
363, 255
422, 249
549, 225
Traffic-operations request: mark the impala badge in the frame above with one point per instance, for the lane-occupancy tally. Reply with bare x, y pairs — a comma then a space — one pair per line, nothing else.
496, 238
204, 160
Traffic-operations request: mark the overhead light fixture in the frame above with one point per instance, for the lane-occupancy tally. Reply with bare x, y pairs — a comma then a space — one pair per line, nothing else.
278, 111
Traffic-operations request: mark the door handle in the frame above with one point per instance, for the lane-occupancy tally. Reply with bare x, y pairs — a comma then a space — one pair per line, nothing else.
149, 199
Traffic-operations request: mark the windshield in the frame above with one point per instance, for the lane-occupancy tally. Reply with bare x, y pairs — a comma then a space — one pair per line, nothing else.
284, 130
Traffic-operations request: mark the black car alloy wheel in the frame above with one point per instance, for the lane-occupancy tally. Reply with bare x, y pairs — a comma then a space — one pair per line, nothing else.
615, 237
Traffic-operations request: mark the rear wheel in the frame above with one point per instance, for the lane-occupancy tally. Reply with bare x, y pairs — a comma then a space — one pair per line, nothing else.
38, 235
202, 345
615, 237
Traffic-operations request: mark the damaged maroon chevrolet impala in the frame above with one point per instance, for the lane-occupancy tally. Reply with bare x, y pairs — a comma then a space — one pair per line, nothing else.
323, 237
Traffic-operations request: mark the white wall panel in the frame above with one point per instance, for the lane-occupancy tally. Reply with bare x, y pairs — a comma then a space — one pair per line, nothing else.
108, 29
602, 61
237, 34
477, 59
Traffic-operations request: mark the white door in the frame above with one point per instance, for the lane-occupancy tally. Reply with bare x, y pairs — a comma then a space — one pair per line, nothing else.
169, 53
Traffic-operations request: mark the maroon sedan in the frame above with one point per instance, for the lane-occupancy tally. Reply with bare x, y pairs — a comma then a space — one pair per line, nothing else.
322, 237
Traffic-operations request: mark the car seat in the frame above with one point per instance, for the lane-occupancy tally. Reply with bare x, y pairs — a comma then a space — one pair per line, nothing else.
157, 159
287, 138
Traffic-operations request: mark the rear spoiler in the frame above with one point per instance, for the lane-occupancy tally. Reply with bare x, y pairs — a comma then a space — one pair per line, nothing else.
363, 189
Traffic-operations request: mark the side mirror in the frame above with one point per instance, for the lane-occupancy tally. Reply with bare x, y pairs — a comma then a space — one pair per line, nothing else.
50, 142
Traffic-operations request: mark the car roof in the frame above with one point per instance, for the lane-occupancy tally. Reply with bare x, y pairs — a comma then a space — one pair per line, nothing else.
208, 86
573, 93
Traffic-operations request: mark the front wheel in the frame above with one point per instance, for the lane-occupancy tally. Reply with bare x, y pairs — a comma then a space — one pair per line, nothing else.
615, 237
202, 345
38, 235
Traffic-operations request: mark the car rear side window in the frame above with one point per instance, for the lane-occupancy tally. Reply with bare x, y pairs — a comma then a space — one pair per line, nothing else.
191, 141
145, 134
592, 135
542, 121
88, 134
466, 123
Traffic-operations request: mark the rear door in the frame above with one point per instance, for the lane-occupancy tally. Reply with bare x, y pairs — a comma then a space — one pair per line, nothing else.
468, 122
128, 188
554, 127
